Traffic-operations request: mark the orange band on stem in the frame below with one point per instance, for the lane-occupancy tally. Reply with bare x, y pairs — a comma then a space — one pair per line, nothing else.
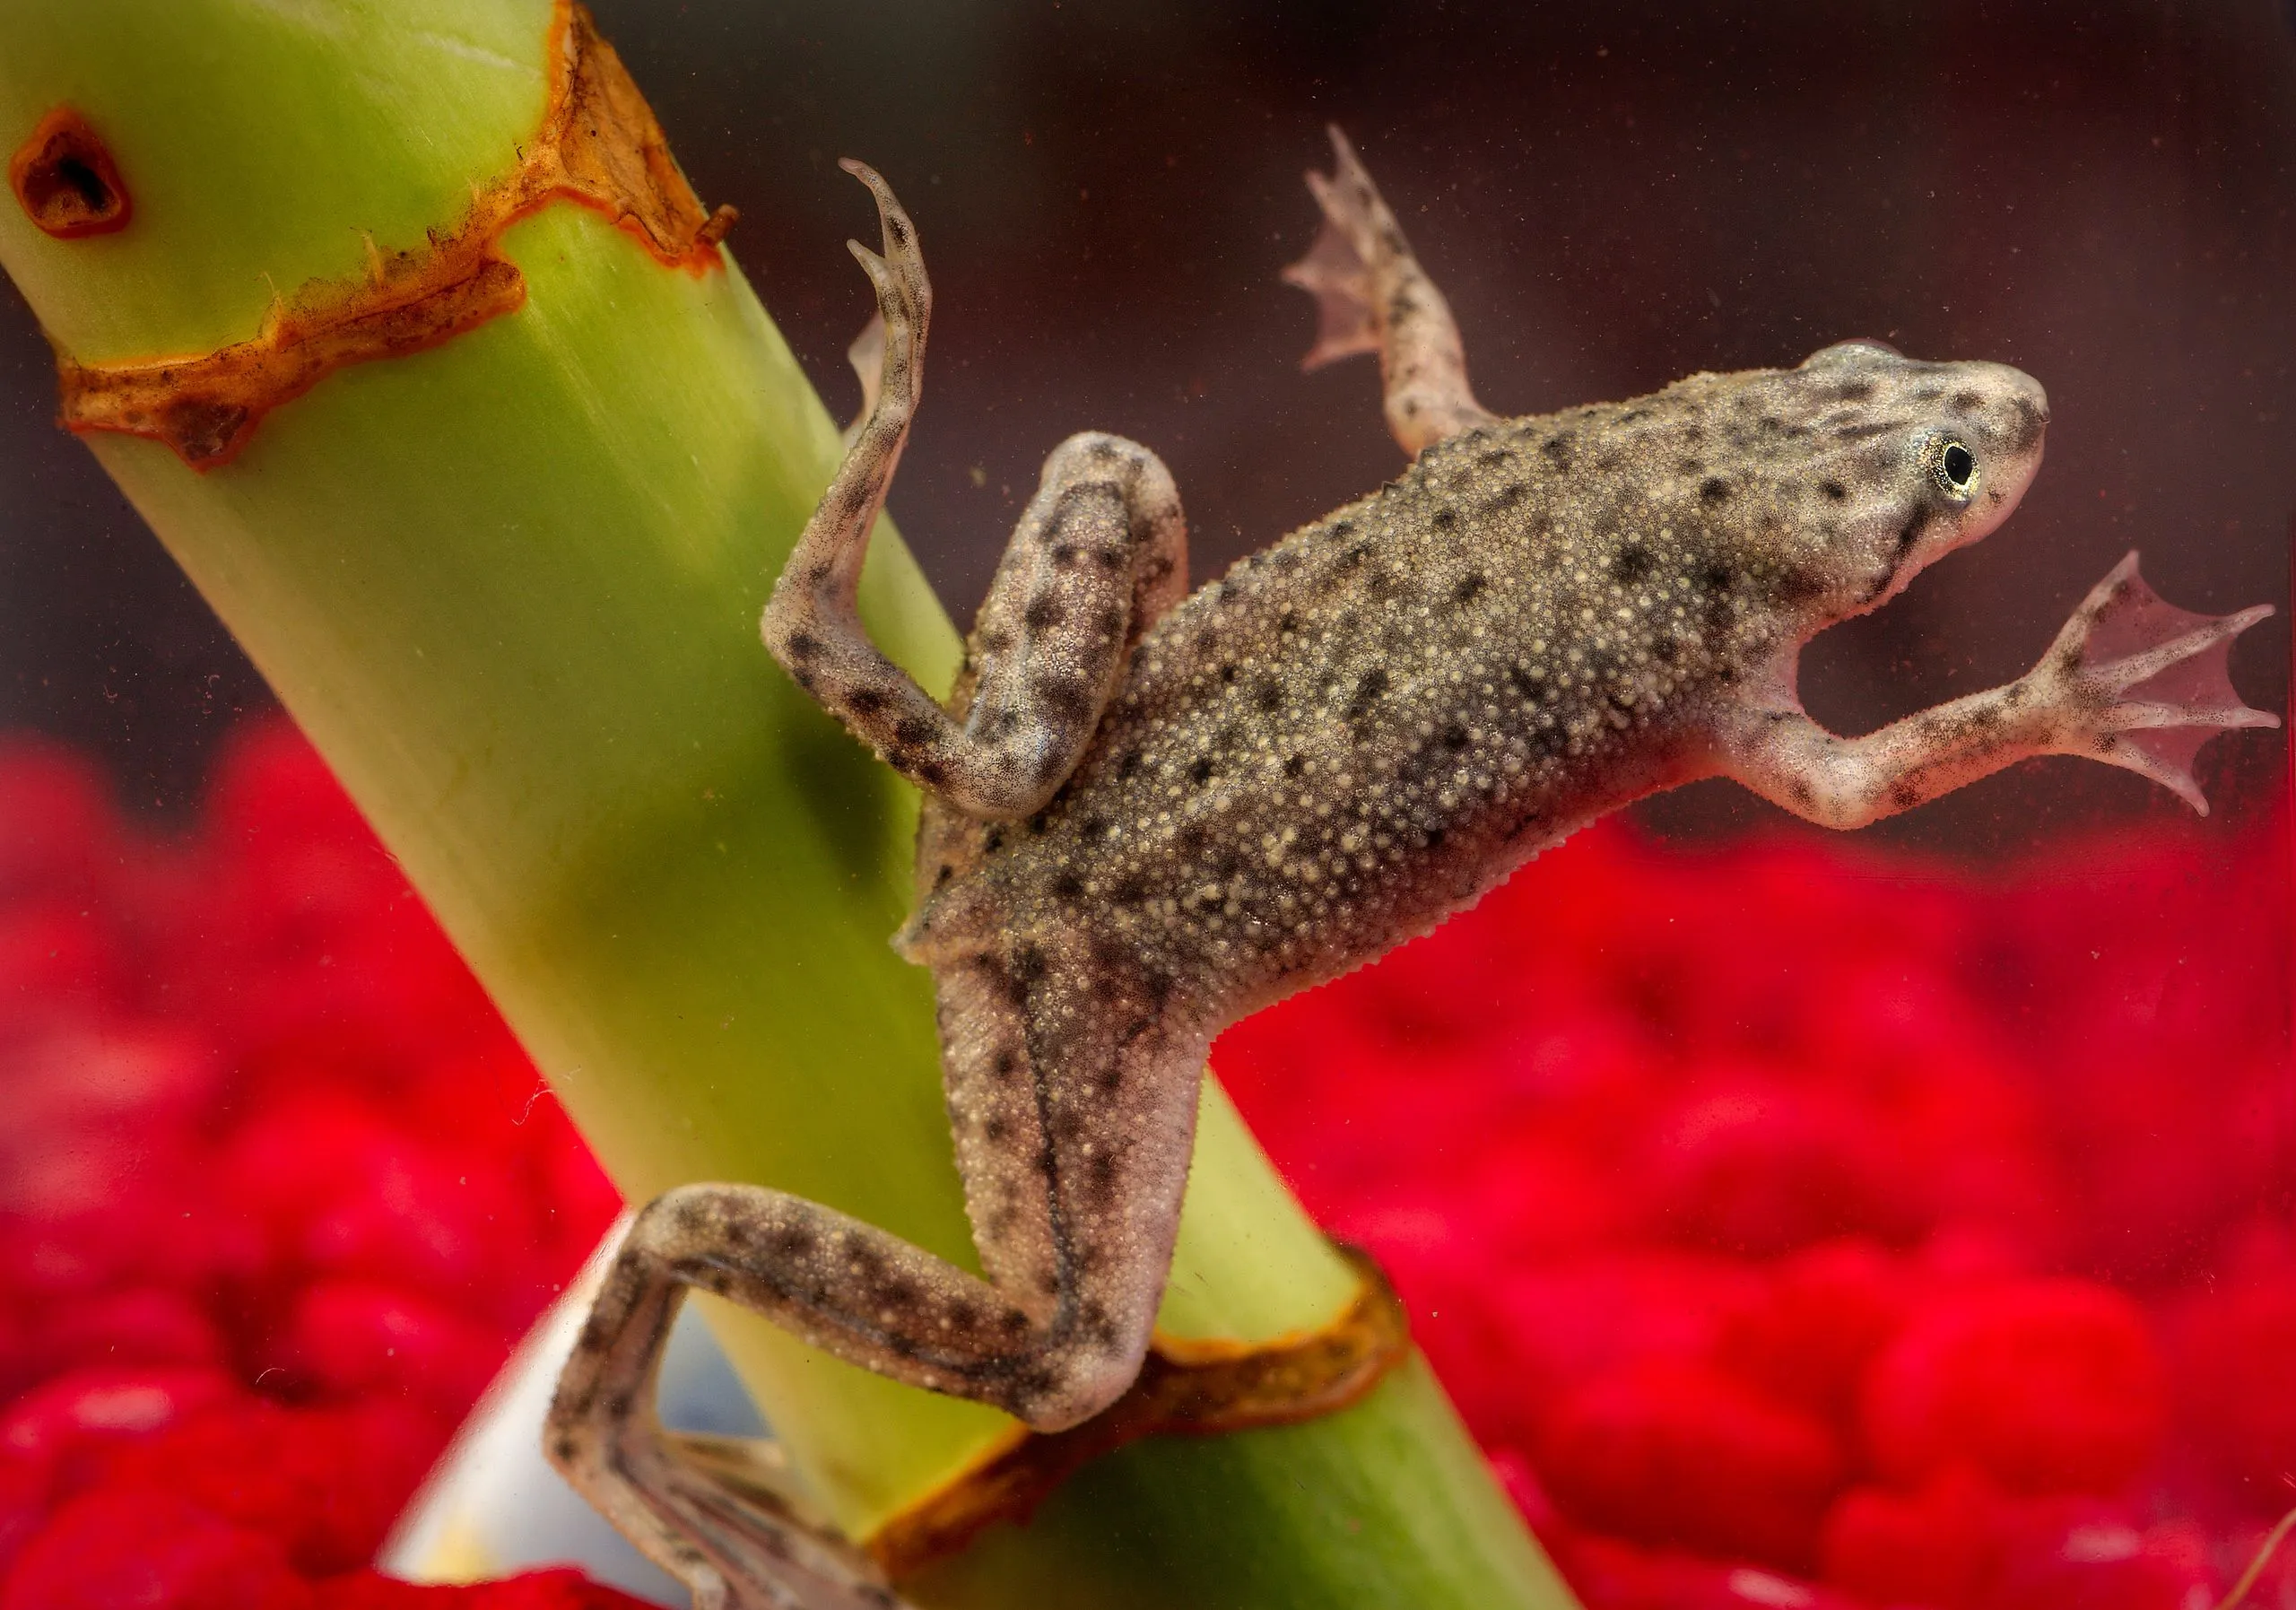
1185, 1388
598, 146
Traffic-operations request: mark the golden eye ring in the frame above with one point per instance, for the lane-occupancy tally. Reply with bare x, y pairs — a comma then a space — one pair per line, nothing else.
1954, 467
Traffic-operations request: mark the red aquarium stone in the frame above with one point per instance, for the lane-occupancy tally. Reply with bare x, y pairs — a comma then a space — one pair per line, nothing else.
1795, 1226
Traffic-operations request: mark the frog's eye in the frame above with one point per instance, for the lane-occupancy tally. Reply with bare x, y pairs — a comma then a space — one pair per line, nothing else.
1954, 467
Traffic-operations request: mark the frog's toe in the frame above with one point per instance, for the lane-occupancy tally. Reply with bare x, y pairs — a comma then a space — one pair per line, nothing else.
867, 357
1335, 270
1334, 274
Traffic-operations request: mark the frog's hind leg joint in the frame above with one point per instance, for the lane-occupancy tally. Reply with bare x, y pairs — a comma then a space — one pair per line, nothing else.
1100, 553
1373, 296
712, 1514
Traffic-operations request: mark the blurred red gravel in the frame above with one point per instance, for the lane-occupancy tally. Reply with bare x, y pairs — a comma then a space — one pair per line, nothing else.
278, 1192
1800, 1225
1795, 1226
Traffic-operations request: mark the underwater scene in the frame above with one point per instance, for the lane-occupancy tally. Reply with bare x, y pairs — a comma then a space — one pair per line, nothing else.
1743, 950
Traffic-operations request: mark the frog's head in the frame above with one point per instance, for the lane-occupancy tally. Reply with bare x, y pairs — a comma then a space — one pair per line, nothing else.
1880, 466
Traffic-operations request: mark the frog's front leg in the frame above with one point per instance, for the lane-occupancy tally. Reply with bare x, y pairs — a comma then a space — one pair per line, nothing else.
1100, 552
2130, 680
1372, 296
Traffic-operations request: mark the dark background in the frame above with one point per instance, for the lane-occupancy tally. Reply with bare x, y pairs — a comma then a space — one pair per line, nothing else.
1611, 196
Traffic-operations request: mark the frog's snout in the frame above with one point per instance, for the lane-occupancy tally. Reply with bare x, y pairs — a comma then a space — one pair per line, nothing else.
2003, 414
2021, 418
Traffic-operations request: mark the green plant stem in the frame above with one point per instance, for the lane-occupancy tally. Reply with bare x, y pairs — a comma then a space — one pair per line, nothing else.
509, 587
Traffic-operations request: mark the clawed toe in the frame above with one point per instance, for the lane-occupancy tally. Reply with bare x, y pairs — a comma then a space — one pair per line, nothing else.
889, 350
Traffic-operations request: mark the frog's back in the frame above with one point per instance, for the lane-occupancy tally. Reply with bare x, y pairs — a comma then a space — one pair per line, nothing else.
1342, 736
1357, 730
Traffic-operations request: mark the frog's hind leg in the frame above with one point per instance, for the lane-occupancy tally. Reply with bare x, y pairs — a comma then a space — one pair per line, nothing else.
1100, 553
1075, 1112
1373, 296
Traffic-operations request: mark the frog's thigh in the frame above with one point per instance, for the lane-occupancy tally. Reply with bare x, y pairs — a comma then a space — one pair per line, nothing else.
1073, 1104
1098, 554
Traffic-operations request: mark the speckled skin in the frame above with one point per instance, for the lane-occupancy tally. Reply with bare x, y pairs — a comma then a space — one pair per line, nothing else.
1147, 816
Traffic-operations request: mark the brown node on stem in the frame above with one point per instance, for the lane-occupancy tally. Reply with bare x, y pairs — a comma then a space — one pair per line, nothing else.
66, 180
1185, 1388
598, 146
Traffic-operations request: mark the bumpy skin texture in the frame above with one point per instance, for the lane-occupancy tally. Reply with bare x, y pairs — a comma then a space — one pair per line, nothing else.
1148, 815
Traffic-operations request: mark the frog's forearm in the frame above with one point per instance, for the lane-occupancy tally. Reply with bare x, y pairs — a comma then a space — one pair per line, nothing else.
2145, 697
1837, 782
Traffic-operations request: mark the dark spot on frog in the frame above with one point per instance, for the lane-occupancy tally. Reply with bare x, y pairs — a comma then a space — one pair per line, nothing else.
1065, 697
1794, 585
1294, 765
1445, 518
1269, 695
865, 702
801, 646
2030, 422
1967, 402
1714, 489
1454, 737
1470, 587
1834, 490
913, 732
1201, 772
1101, 1177
1367, 689
1632, 565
